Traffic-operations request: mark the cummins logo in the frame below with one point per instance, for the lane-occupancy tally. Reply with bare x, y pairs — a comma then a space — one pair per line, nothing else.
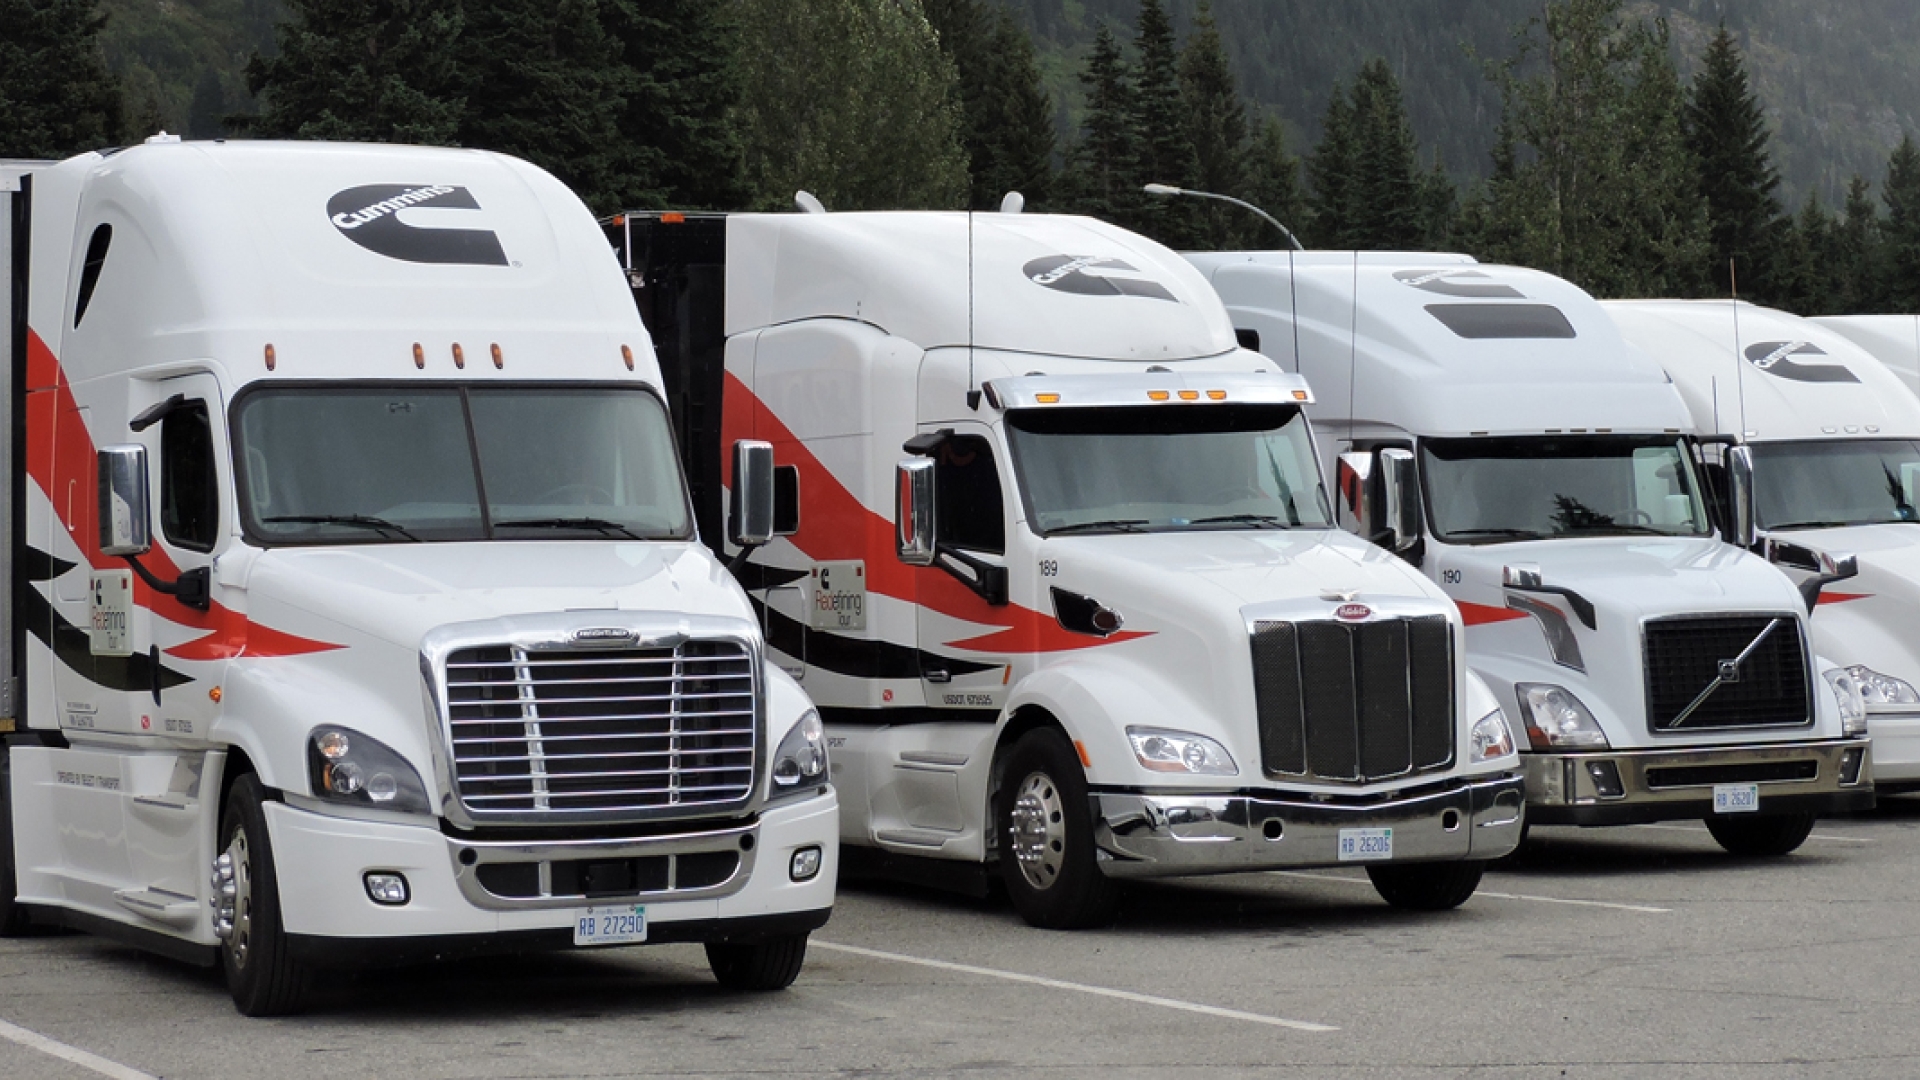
1776, 358
370, 216
1456, 281
1093, 275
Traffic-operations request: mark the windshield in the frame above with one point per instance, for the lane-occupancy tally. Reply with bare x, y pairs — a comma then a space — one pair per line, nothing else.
1833, 482
1485, 490
398, 464
1154, 468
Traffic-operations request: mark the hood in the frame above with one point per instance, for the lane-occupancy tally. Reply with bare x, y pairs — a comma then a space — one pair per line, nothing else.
398, 592
1636, 578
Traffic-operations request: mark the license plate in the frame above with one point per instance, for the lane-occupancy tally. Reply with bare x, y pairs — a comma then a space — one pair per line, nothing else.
1360, 844
1736, 798
623, 925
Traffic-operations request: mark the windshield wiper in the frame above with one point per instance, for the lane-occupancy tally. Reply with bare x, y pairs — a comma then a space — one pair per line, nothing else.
1264, 520
1828, 524
361, 521
1520, 534
1116, 524
601, 525
1627, 527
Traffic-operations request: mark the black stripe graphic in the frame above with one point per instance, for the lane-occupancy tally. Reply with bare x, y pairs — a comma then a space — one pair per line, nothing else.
74, 645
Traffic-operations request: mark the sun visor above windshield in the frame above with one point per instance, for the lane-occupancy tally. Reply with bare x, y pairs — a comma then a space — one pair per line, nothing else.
1110, 391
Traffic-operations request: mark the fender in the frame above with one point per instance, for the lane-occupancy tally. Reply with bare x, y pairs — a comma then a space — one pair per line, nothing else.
1094, 697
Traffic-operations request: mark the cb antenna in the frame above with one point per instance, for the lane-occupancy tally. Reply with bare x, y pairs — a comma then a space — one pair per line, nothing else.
973, 392
1739, 361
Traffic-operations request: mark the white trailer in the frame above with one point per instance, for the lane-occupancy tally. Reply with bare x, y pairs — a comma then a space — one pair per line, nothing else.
1491, 426
1098, 624
1831, 442
417, 651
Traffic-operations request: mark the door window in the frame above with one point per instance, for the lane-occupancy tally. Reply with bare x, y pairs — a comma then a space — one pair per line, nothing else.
967, 509
189, 486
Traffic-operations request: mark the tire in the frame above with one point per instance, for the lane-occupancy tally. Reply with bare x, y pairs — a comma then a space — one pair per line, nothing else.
1763, 836
13, 914
758, 967
1045, 827
1426, 886
261, 975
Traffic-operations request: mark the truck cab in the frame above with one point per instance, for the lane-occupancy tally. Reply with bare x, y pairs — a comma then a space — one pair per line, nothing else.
360, 612
1062, 574
1490, 425
1828, 455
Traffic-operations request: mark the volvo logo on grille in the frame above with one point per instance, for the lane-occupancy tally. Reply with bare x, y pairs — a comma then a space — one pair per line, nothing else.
603, 635
1729, 671
1352, 612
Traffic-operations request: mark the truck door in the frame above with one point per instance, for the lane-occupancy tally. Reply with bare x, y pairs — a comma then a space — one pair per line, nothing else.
964, 651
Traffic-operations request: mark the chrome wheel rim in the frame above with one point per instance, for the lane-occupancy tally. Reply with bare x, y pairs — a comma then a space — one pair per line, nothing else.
240, 866
1037, 830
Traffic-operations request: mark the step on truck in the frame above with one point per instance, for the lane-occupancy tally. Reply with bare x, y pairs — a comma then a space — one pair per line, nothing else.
1826, 460
357, 614
1490, 425
1061, 573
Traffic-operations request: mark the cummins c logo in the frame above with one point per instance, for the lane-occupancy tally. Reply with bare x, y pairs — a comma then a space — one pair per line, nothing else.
1777, 358
1093, 275
369, 215
1458, 281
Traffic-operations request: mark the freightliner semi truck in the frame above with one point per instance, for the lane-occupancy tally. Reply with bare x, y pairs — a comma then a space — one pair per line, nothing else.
1828, 458
356, 612
1062, 576
1490, 425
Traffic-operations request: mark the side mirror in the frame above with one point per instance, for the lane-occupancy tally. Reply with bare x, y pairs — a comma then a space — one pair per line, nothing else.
124, 505
1825, 567
1401, 502
1353, 497
750, 513
1740, 496
913, 511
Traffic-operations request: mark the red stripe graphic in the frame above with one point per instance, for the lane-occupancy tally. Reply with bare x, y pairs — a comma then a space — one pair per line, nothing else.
835, 525
61, 459
1842, 597
1480, 614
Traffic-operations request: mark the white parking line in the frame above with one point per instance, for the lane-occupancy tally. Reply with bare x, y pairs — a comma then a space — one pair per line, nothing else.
1642, 908
1061, 984
1815, 836
55, 1048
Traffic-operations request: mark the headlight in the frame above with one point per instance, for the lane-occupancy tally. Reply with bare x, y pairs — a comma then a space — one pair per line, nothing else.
801, 761
1878, 689
1853, 707
1180, 752
1556, 718
1490, 737
346, 766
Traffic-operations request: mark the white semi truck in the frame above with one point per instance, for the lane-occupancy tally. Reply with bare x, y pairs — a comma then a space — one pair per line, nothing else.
355, 609
1828, 457
1894, 340
1097, 624
1491, 426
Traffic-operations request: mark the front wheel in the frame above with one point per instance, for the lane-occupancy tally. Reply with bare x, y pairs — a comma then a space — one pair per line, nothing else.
760, 966
1426, 886
1045, 825
262, 976
1764, 836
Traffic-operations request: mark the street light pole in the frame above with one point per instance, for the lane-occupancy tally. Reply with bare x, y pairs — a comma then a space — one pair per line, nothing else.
1168, 190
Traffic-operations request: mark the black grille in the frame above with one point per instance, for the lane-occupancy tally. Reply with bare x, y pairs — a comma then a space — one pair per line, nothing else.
593, 878
1684, 656
601, 731
1668, 776
1354, 701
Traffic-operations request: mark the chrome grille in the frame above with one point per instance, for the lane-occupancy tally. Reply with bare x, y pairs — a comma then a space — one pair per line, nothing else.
1354, 701
1684, 656
603, 732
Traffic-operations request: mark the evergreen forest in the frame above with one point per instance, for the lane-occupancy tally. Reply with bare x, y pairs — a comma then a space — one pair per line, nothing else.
1684, 148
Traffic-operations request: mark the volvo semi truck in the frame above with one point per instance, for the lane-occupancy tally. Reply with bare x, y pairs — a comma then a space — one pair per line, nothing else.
356, 610
1489, 425
1063, 578
1827, 456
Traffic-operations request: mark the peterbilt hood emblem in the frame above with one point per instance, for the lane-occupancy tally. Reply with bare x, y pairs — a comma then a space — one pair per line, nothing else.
369, 215
603, 635
1093, 275
1352, 612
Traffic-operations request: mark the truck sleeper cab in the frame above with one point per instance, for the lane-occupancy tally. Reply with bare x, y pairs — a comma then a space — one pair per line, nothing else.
1062, 575
1503, 439
1828, 459
362, 615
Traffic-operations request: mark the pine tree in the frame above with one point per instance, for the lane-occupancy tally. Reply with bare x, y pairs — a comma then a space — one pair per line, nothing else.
206, 116
1437, 209
1330, 172
1383, 209
1217, 129
1273, 185
682, 147
1803, 280
1902, 234
363, 70
1858, 252
56, 96
1727, 132
1166, 153
1009, 133
1102, 175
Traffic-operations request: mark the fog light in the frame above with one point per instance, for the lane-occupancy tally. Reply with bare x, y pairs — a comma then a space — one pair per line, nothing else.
805, 864
1606, 779
387, 888
1850, 762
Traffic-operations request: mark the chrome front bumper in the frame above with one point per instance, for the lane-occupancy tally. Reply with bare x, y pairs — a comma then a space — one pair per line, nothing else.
1624, 787
1170, 835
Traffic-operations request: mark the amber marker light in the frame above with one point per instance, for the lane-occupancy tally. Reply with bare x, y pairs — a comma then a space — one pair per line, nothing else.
673, 217
1158, 395
1086, 760
1299, 395
1189, 395
459, 356
214, 695
1216, 395
269, 358
419, 356
499, 361
627, 355
1046, 399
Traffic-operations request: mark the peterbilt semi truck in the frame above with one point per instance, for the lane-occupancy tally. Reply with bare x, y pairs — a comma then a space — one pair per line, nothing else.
1828, 460
1489, 424
1062, 575
357, 613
